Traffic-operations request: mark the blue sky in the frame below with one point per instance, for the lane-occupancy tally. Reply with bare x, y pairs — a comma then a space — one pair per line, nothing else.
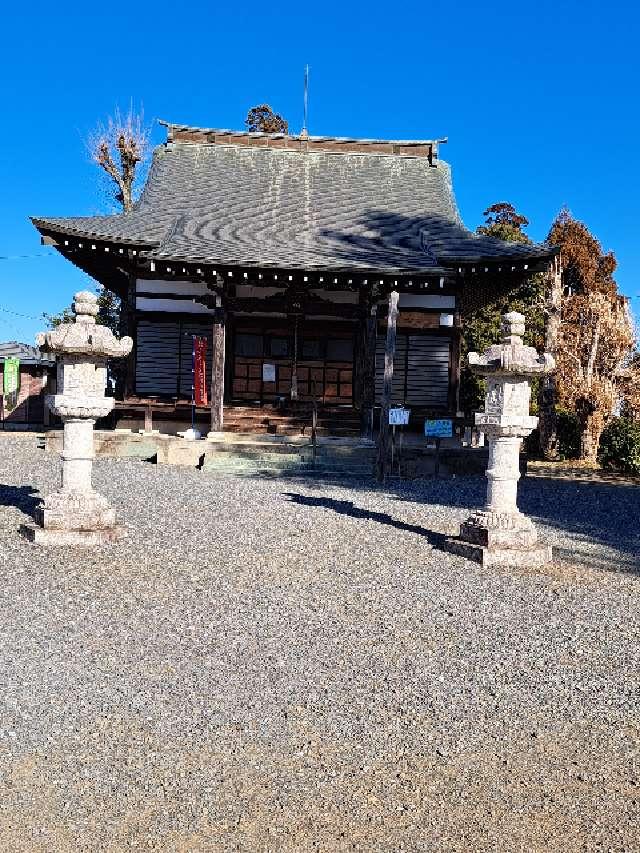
539, 101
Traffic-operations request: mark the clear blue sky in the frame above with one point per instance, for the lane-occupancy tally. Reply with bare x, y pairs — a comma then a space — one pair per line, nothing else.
539, 101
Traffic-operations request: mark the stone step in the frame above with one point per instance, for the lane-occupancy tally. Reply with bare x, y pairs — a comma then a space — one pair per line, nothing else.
285, 429
256, 460
208, 465
274, 473
256, 449
337, 421
212, 462
295, 418
245, 438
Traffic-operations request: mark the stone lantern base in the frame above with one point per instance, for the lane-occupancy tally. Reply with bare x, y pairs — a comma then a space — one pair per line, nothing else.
500, 539
87, 538
74, 518
529, 558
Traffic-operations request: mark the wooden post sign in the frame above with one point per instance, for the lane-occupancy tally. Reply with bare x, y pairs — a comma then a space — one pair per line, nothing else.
398, 417
382, 458
437, 430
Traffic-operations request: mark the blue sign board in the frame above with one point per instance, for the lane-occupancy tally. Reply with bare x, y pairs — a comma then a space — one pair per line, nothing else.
439, 428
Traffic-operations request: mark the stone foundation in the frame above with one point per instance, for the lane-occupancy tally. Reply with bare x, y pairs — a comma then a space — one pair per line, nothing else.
82, 538
76, 511
531, 557
499, 530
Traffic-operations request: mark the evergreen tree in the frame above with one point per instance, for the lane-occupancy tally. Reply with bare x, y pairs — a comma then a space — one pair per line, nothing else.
481, 328
262, 119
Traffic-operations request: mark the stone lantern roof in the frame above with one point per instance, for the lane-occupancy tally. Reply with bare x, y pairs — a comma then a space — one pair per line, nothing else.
84, 336
511, 357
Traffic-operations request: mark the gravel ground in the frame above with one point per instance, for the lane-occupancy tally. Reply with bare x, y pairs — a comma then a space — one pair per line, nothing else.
283, 666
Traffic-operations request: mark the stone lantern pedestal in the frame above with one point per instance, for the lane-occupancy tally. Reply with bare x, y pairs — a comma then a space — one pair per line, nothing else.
77, 514
499, 534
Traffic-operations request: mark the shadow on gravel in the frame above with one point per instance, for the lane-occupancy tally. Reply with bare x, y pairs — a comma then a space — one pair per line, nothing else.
348, 508
24, 498
588, 513
592, 516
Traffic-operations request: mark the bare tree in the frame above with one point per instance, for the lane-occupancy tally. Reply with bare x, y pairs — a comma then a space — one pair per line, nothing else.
591, 330
119, 147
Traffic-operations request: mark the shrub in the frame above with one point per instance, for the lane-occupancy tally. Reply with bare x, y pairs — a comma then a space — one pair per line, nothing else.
568, 434
620, 446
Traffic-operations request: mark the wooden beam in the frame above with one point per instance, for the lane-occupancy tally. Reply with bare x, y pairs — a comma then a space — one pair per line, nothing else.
217, 372
294, 360
365, 365
384, 434
126, 372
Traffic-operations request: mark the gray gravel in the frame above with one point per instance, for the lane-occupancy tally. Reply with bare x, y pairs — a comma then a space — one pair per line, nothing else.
269, 665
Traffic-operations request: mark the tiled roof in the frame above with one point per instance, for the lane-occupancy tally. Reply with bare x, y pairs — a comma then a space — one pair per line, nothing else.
245, 205
25, 352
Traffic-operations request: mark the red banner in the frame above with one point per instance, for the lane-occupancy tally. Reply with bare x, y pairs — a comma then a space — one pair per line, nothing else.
200, 371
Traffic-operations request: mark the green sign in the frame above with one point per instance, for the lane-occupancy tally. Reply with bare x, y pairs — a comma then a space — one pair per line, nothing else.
11, 376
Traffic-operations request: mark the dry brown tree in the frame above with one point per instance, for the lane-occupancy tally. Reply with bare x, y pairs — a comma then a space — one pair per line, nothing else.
262, 119
630, 390
596, 339
119, 146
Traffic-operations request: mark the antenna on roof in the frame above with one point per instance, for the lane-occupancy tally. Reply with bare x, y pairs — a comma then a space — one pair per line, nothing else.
305, 131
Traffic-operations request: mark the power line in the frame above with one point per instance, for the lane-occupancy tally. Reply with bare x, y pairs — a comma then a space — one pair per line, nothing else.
23, 257
17, 314
10, 326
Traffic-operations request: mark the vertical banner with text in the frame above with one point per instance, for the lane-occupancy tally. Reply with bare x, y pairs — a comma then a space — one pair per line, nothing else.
11, 384
200, 371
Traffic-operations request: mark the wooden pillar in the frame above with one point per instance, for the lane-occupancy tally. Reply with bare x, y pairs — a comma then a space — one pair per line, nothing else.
365, 366
454, 367
294, 361
547, 398
217, 370
384, 433
125, 373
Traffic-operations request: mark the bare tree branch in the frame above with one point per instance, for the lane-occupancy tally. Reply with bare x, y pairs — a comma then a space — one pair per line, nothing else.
118, 148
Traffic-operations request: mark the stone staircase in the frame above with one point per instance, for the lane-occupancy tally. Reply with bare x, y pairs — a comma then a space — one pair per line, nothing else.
244, 455
341, 421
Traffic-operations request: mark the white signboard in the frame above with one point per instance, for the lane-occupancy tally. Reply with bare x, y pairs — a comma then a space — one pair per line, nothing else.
399, 417
268, 373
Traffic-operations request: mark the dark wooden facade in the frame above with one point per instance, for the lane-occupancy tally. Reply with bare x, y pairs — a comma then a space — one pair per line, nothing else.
282, 252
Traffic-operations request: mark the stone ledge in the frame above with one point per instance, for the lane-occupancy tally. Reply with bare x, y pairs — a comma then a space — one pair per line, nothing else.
87, 538
530, 558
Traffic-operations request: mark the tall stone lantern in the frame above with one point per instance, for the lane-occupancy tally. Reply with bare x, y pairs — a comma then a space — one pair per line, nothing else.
77, 514
500, 534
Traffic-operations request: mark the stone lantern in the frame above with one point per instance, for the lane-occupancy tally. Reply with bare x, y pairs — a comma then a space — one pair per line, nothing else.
500, 534
77, 514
